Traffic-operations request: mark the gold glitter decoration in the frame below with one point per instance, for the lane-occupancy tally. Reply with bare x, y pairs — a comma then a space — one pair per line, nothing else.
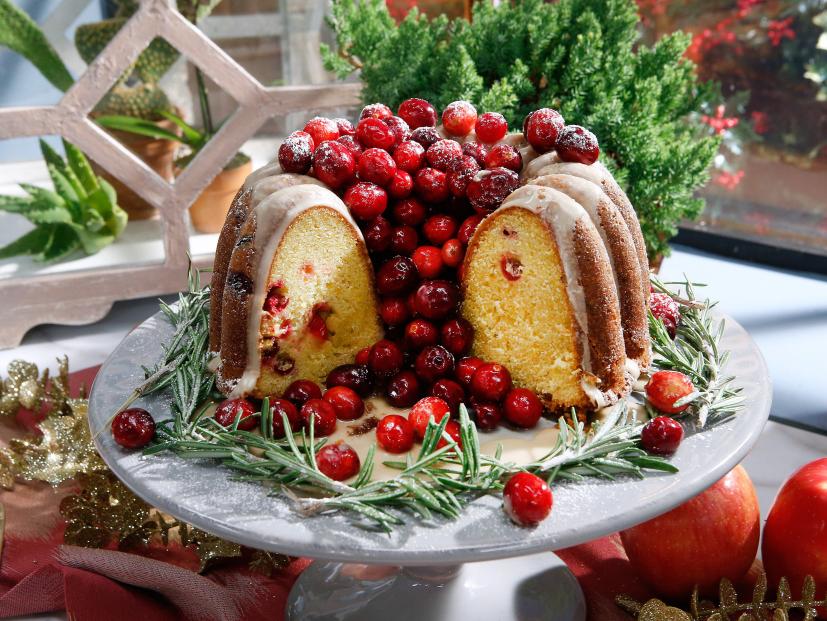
268, 563
26, 387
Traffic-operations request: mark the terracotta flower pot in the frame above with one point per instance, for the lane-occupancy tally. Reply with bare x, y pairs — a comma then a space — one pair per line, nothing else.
210, 209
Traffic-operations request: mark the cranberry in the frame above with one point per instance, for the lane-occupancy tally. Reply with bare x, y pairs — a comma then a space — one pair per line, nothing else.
401, 185
450, 392
420, 333
385, 358
321, 129
300, 391
504, 156
667, 387
378, 234
409, 211
542, 127
395, 434
345, 127
133, 428
417, 113
355, 376
491, 382
400, 129
436, 299
439, 228
466, 369
442, 153
666, 309
491, 127
487, 414
347, 404
402, 390
431, 185
365, 200
362, 356
457, 336
426, 136
296, 153
452, 253
283, 406
276, 301
433, 363
511, 267
476, 150
375, 111
352, 145
467, 228
428, 261
489, 188
522, 408
404, 240
661, 435
409, 156
323, 414
461, 172
227, 410
338, 461
377, 166
459, 118
527, 499
373, 133
333, 164
394, 311
396, 276
425, 410
317, 324
577, 144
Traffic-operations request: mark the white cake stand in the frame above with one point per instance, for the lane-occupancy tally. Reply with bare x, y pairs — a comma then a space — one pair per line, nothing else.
479, 567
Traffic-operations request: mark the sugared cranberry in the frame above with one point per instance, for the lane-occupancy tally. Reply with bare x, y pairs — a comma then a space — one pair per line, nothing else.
134, 427
505, 156
511, 267
397, 276
425, 410
542, 127
667, 387
450, 392
417, 113
467, 228
461, 172
401, 185
466, 369
294, 419
338, 461
661, 435
402, 390
400, 129
362, 356
385, 358
394, 311
409, 156
353, 146
421, 333
426, 136
433, 363
577, 144
428, 261
491, 382
436, 299
347, 404
375, 111
374, 134
404, 240
666, 309
527, 499
477, 150
378, 234
457, 336
345, 127
522, 408
488, 189
487, 414
459, 118
395, 434
452, 253
333, 164
431, 185
409, 211
296, 153
321, 129
376, 166
366, 200
355, 376
300, 391
491, 127
323, 415
442, 153
439, 228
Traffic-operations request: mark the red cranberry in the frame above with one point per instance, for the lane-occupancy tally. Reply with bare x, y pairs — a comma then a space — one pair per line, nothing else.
395, 434
345, 127
400, 129
317, 324
527, 499
426, 136
276, 301
431, 185
665, 388
374, 134
459, 118
394, 311
385, 358
321, 129
433, 363
404, 240
352, 145
378, 234
401, 185
425, 410
362, 356
489, 188
365, 200
134, 428
491, 382
323, 414
541, 129
439, 228
461, 172
347, 404
491, 127
333, 164
338, 461
661, 435
666, 309
511, 267
467, 228
409, 211
402, 390
442, 153
522, 408
421, 333
396, 276
409, 156
452, 253
466, 369
355, 376
457, 336
428, 261
476, 150
577, 144
301, 391
375, 111
450, 392
377, 166
504, 156
296, 153
452, 428
228, 409
487, 414
436, 299
294, 419
417, 113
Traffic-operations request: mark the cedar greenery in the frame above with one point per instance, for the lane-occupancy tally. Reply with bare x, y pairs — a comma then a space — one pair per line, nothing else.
581, 57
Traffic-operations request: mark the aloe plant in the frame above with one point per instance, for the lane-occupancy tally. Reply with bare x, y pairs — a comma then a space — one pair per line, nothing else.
80, 214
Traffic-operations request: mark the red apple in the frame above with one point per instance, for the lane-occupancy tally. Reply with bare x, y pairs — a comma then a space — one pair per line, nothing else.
795, 535
712, 536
